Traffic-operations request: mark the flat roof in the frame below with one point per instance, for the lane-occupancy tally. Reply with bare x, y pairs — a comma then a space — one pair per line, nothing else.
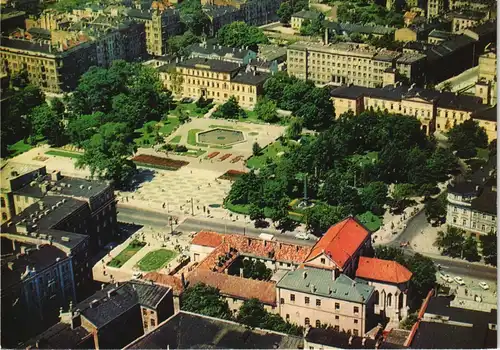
187, 330
61, 336
12, 170
210, 65
351, 49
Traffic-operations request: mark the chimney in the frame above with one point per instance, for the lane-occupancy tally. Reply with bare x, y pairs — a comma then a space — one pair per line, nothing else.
103, 285
477, 188
183, 280
55, 175
241, 272
350, 339
40, 205
363, 341
313, 288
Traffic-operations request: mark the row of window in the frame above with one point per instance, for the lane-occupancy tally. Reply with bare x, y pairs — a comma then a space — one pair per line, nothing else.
307, 301
205, 74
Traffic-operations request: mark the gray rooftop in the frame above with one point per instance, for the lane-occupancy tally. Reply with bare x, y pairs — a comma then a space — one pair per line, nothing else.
320, 282
121, 298
210, 65
218, 50
187, 330
306, 14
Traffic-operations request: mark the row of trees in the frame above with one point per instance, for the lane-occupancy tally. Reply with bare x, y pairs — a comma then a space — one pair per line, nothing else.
287, 9
455, 243
207, 300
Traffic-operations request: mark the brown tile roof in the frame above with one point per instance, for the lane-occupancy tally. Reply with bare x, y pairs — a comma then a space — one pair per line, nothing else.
234, 286
340, 242
291, 253
166, 281
382, 270
207, 239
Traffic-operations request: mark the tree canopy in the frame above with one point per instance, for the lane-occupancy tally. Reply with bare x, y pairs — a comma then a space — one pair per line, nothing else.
240, 34
488, 244
465, 137
313, 27
205, 300
229, 110
285, 12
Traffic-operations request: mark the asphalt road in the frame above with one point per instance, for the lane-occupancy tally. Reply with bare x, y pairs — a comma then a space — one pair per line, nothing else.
456, 267
148, 218
154, 219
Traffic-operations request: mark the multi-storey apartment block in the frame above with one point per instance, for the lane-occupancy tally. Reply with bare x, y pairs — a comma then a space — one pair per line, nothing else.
435, 110
214, 79
350, 63
435, 8
252, 12
161, 23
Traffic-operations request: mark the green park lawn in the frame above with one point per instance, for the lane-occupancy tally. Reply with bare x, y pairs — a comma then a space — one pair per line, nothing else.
370, 220
270, 151
156, 260
126, 254
169, 125
61, 153
191, 110
176, 139
192, 137
18, 148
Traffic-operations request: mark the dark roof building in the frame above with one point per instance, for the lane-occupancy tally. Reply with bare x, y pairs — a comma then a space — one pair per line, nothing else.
329, 338
224, 53
187, 330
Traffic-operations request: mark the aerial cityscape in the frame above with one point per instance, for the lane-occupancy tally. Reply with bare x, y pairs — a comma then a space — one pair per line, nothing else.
248, 174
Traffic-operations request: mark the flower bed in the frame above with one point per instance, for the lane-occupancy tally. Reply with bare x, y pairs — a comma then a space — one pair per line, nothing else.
213, 155
231, 175
225, 156
236, 159
159, 163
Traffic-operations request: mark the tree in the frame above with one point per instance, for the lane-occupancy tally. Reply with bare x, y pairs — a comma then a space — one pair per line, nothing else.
451, 242
390, 253
285, 12
205, 300
193, 17
230, 110
409, 321
424, 274
47, 123
178, 45
279, 211
401, 193
374, 196
313, 27
177, 80
107, 152
294, 129
436, 209
320, 217
470, 252
266, 110
82, 128
464, 138
256, 149
252, 313
240, 34
256, 270
488, 244
256, 213
19, 79
440, 164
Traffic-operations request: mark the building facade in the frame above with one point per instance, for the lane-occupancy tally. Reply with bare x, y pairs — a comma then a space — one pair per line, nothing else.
214, 79
350, 63
435, 8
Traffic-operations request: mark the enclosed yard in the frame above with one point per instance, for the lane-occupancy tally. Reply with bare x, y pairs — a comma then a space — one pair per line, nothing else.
156, 260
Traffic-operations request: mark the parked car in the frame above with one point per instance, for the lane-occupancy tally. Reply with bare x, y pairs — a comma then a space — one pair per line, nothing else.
137, 275
484, 285
446, 277
303, 236
459, 280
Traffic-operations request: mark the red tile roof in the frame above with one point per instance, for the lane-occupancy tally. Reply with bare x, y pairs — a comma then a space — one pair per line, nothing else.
207, 239
247, 245
165, 280
234, 286
382, 270
341, 241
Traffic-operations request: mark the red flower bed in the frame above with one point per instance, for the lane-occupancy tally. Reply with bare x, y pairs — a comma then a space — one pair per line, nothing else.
158, 162
225, 156
212, 155
232, 175
236, 159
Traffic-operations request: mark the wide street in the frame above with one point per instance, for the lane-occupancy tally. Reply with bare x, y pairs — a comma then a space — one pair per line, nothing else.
190, 224
456, 267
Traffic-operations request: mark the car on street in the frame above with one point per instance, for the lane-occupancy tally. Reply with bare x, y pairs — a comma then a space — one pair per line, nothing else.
303, 236
484, 285
137, 275
446, 277
459, 280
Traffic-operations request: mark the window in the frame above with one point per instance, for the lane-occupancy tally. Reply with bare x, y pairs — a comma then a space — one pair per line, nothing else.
318, 302
306, 300
307, 321
287, 317
355, 332
318, 323
282, 300
292, 297
336, 328
356, 321
356, 310
389, 299
153, 322
337, 306
323, 261
337, 317
2, 201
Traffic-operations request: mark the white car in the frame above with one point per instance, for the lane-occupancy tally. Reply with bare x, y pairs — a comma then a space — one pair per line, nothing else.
446, 277
459, 280
137, 275
303, 236
484, 285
